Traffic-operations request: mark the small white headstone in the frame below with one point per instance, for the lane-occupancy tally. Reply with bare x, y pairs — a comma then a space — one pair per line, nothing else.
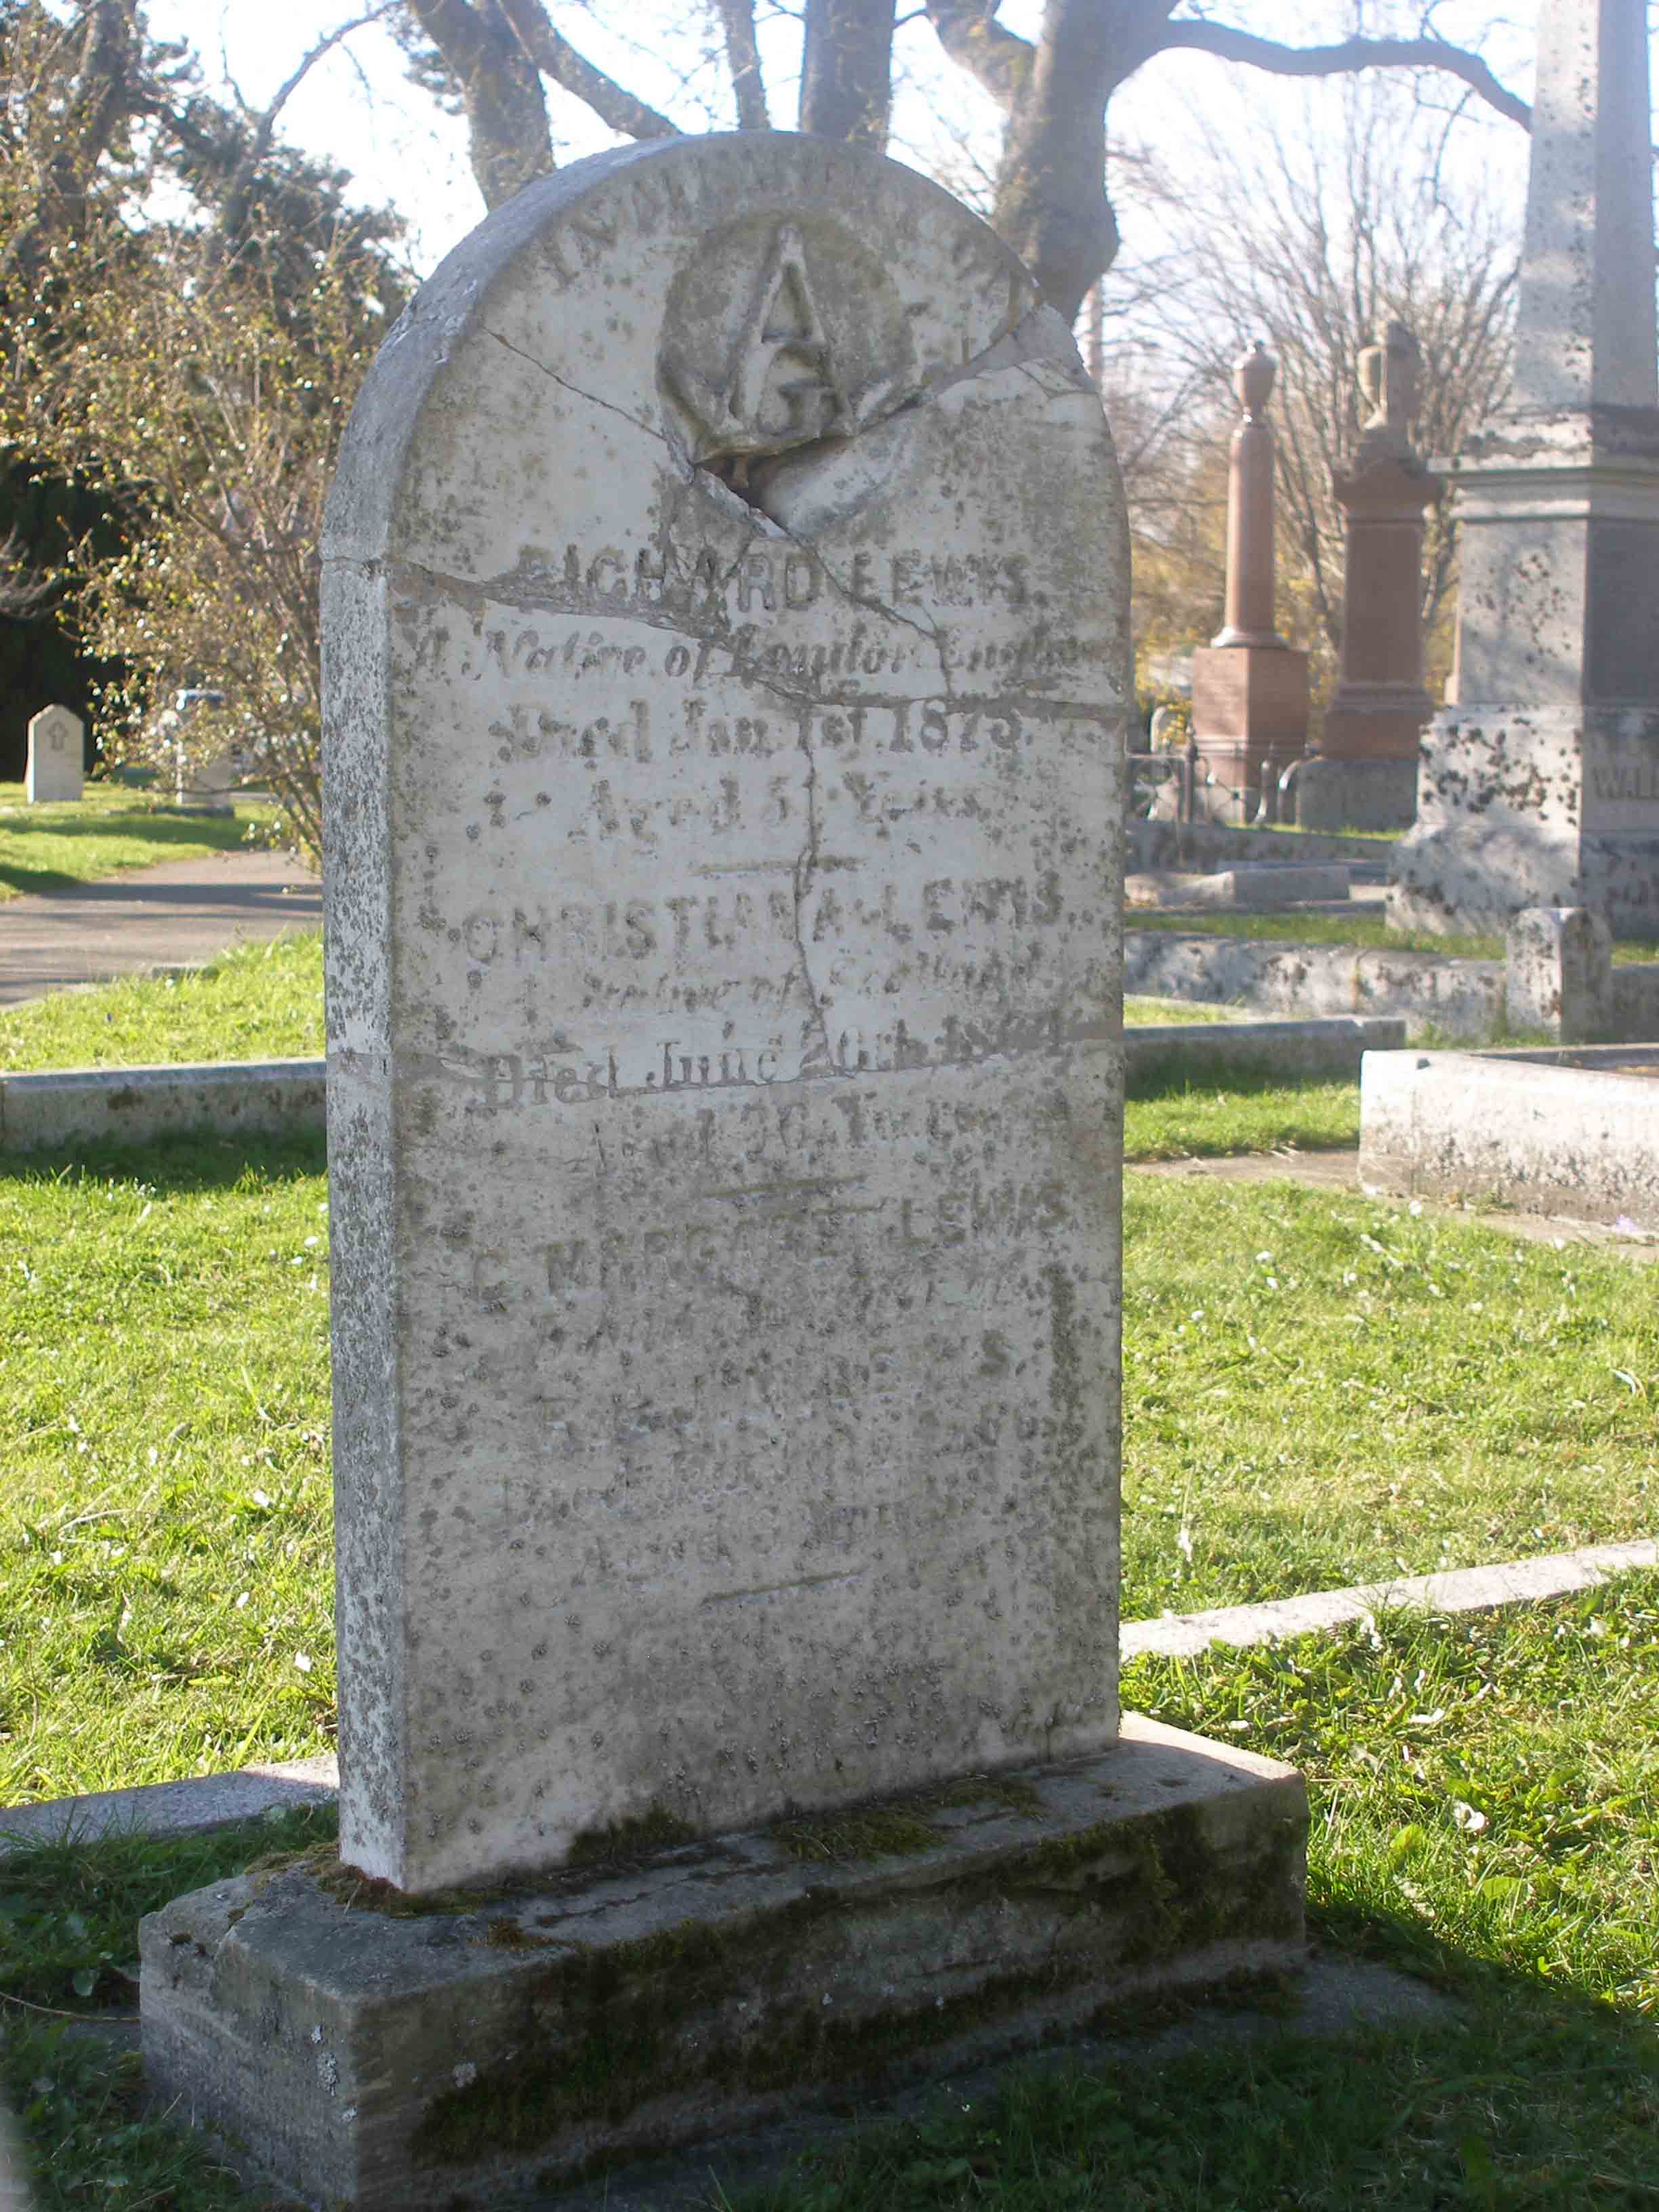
725, 599
57, 754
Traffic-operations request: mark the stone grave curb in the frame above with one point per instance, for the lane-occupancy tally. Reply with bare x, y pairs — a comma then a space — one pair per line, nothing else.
218, 1800
1331, 1046
1572, 1129
129, 1105
274, 1097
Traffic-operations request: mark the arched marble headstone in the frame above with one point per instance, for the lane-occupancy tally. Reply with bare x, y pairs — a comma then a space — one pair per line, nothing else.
56, 769
726, 659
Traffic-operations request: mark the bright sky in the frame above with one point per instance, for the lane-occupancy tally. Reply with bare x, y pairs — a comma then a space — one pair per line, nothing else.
358, 107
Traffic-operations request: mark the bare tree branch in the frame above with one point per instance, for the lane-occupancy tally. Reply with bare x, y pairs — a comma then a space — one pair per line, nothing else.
976, 41
233, 207
1232, 45
556, 57
509, 141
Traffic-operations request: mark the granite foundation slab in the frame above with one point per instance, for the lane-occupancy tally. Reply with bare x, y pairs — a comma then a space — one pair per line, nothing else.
1464, 997
132, 1105
1205, 847
1329, 1050
1258, 890
1572, 1131
493, 2046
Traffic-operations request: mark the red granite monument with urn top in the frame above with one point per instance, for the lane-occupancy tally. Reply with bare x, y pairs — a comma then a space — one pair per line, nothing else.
1249, 686
1365, 774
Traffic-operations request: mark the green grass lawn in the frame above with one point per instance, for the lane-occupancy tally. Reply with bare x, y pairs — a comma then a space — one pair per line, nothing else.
165, 1569
49, 849
1365, 930
1484, 1801
256, 1002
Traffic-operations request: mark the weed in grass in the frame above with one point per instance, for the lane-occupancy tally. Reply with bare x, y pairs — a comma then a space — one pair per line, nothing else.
69, 1910
53, 849
69, 1944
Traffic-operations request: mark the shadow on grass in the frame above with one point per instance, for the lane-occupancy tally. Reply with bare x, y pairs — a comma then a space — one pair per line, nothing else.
1247, 1073
163, 831
1519, 2097
199, 1160
1516, 2096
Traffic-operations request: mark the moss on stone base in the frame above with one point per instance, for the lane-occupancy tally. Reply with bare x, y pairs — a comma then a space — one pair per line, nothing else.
616, 2016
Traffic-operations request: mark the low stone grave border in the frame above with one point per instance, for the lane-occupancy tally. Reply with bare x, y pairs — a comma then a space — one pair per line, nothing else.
1557, 978
1570, 1129
217, 1801
276, 1097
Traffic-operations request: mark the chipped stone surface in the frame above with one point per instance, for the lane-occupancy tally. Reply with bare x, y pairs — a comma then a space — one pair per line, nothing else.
1540, 788
56, 753
1559, 974
1465, 997
489, 2048
725, 657
1534, 806
1573, 1132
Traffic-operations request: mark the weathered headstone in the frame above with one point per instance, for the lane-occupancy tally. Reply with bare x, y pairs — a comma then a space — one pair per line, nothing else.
56, 756
725, 663
1557, 974
725, 604
1540, 786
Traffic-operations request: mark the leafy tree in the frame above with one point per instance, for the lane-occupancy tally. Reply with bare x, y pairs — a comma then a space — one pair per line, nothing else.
193, 375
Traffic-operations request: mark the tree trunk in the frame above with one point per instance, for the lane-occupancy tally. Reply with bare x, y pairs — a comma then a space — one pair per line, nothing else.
508, 141
847, 71
1051, 203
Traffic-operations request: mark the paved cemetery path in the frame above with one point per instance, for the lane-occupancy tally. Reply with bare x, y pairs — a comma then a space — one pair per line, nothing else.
174, 915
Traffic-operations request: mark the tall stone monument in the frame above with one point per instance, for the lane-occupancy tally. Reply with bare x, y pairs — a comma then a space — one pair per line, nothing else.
1364, 777
1540, 788
55, 769
1249, 687
725, 611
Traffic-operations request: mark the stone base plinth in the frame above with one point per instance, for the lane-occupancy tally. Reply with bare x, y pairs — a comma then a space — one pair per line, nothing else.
1376, 722
1521, 807
486, 2046
1250, 719
1355, 794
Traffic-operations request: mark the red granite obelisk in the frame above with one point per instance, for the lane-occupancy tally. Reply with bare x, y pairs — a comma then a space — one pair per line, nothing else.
1249, 687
